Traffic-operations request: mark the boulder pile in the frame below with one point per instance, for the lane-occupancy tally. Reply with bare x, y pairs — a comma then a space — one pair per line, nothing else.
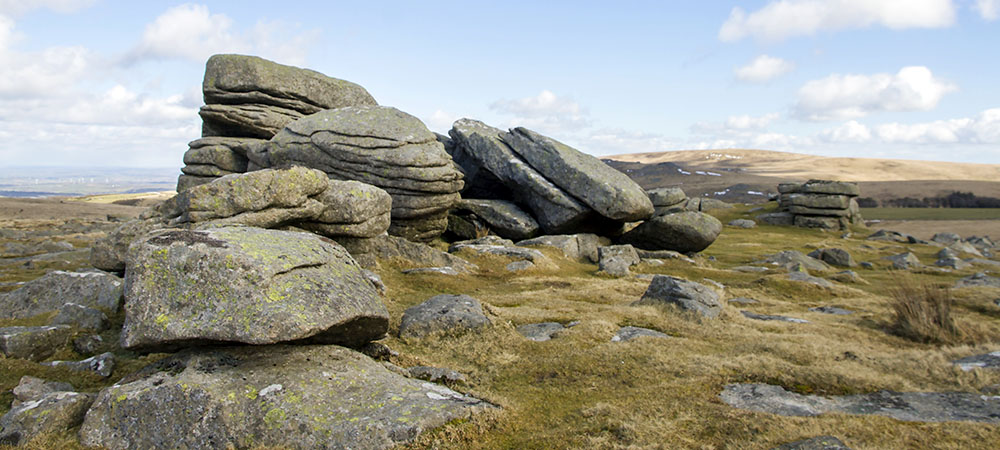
820, 204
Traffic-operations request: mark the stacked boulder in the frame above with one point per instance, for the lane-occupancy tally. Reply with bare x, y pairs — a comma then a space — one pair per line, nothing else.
674, 226
563, 189
249, 99
821, 204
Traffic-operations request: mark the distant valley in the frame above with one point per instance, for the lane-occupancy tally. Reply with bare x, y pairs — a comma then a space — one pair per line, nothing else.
79, 181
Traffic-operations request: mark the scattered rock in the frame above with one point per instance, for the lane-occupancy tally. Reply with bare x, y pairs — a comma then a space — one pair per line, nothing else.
518, 266
768, 317
848, 276
777, 218
55, 412
580, 247
751, 269
905, 406
804, 277
816, 443
49, 292
683, 232
438, 270
626, 334
666, 198
743, 301
493, 245
866, 265
978, 279
249, 285
985, 361
540, 332
33, 343
436, 375
103, 364
793, 260
953, 263
81, 317
946, 238
299, 396
904, 261
88, 344
663, 254
615, 260
832, 310
742, 223
834, 256
965, 247
687, 295
443, 313
894, 236
30, 389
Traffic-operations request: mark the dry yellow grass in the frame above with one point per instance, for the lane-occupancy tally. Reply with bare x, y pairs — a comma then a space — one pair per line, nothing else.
801, 166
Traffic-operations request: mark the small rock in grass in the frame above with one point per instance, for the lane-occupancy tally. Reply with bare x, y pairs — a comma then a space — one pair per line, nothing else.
626, 334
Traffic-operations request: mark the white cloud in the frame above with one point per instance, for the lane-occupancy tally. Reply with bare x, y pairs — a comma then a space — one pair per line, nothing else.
441, 121
982, 129
840, 97
988, 9
18, 7
782, 19
618, 141
849, 132
192, 32
764, 68
545, 113
735, 124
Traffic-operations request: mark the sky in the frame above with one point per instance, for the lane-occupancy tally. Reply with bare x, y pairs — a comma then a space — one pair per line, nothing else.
118, 83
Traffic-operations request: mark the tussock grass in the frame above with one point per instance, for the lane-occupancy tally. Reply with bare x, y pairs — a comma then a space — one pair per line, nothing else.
922, 312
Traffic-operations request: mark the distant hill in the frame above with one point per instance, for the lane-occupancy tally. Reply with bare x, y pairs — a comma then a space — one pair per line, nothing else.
748, 175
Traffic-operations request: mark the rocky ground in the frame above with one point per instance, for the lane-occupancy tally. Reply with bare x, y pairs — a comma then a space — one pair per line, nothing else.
599, 371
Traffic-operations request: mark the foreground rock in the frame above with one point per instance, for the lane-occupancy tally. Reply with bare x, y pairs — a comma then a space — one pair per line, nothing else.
54, 412
249, 285
985, 361
50, 291
687, 295
499, 217
247, 96
683, 232
33, 343
245, 397
30, 389
905, 406
383, 147
443, 314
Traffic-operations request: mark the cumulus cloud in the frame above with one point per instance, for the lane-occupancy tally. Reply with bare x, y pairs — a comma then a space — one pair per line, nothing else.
735, 124
193, 32
440, 121
18, 7
981, 129
987, 9
782, 19
839, 97
764, 68
545, 112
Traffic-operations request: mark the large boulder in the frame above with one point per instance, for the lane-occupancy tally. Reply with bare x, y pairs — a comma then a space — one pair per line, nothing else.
52, 413
248, 285
49, 292
685, 232
501, 217
109, 252
247, 96
609, 192
383, 147
275, 396
443, 314
493, 170
684, 294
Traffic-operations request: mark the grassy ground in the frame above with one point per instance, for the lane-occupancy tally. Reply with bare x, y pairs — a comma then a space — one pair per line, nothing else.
580, 390
930, 213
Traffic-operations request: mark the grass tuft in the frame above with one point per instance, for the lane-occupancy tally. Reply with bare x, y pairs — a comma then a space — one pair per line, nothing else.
922, 312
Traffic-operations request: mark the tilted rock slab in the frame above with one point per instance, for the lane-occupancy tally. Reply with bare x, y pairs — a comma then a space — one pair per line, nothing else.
300, 397
685, 232
383, 147
50, 291
247, 96
248, 285
503, 218
686, 295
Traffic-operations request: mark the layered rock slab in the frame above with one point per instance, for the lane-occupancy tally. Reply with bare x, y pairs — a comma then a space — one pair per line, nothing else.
288, 396
248, 285
381, 146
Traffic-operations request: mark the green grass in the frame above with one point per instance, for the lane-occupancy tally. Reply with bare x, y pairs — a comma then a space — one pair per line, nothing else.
931, 213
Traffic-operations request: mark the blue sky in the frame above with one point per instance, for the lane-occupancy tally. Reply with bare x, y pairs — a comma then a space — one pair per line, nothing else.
117, 83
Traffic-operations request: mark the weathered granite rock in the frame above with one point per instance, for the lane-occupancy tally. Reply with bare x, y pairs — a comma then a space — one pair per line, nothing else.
827, 223
904, 261
580, 247
436, 375
439, 270
541, 332
946, 238
249, 285
503, 218
403, 252
351, 209
494, 170
905, 406
666, 197
30, 389
88, 344
517, 266
495, 245
287, 396
185, 182
109, 252
821, 187
80, 316
50, 291
894, 236
626, 334
985, 361
965, 247
978, 279
815, 443
815, 201
777, 218
609, 192
687, 295
247, 96
770, 317
831, 310
33, 343
952, 262
384, 147
103, 364
705, 204
443, 314
792, 260
804, 277
834, 256
615, 260
54, 412
683, 232
742, 223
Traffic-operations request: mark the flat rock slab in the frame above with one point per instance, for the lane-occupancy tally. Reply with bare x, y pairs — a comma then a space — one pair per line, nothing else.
443, 314
804, 277
816, 443
985, 361
438, 270
288, 396
769, 317
249, 285
832, 310
49, 292
905, 406
686, 295
580, 247
744, 301
505, 219
626, 334
540, 332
